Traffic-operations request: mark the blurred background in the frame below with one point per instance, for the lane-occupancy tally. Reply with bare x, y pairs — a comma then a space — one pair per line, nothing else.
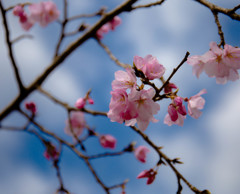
208, 146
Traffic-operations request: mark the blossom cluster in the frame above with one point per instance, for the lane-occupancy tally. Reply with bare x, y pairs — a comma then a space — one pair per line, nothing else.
130, 103
217, 62
42, 13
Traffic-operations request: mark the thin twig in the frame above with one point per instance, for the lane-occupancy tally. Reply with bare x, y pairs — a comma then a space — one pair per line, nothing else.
220, 32
10, 52
111, 55
148, 5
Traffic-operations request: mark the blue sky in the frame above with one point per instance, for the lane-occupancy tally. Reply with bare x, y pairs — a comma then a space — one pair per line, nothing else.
207, 146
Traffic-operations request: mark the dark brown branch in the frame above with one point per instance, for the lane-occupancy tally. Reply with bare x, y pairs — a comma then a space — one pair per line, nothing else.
229, 12
149, 5
126, 6
220, 32
111, 55
10, 51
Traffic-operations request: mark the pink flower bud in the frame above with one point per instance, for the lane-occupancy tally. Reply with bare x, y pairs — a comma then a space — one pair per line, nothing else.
108, 141
31, 106
168, 88
149, 174
141, 153
116, 21
18, 10
51, 152
90, 100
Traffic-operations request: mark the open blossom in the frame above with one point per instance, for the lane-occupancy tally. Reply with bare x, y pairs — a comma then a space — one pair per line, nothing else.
120, 108
150, 66
149, 174
44, 12
76, 124
220, 63
124, 80
145, 107
195, 104
141, 153
108, 141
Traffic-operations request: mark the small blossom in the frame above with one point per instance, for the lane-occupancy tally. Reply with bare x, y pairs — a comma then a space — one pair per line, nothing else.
90, 100
44, 12
168, 88
141, 153
116, 21
149, 174
195, 104
80, 103
150, 66
76, 124
51, 152
124, 80
18, 10
231, 56
31, 106
108, 141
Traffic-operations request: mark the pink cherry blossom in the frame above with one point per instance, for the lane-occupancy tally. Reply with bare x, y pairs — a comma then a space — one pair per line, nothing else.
76, 124
103, 30
116, 21
141, 153
124, 80
108, 141
150, 66
120, 108
90, 100
51, 152
231, 56
44, 12
145, 107
149, 174
168, 88
24, 20
80, 103
31, 106
217, 62
195, 104
179, 121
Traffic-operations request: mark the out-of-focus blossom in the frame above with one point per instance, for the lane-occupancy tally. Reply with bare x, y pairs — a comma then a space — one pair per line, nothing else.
124, 80
44, 12
111, 25
51, 152
220, 63
76, 124
149, 174
31, 106
179, 121
150, 66
195, 104
107, 141
141, 153
80, 103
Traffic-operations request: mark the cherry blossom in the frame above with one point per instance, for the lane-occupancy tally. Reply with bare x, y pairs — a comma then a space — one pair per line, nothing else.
120, 108
44, 12
220, 63
150, 66
76, 124
168, 88
24, 20
149, 174
141, 153
51, 152
195, 104
145, 107
179, 121
108, 141
111, 25
124, 80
